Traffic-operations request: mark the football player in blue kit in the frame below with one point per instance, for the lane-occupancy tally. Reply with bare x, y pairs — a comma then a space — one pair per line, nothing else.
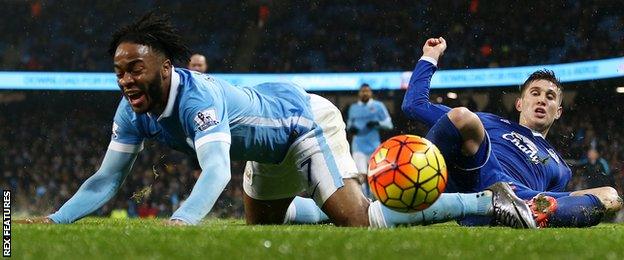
481, 148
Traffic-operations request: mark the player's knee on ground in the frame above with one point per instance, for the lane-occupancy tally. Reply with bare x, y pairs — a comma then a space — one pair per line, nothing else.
265, 212
609, 198
348, 206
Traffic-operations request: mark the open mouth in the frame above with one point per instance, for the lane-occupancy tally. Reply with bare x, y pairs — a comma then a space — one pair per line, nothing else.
540, 112
136, 97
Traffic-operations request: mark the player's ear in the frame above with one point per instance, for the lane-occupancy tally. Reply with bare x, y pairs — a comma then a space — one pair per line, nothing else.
559, 112
519, 104
165, 70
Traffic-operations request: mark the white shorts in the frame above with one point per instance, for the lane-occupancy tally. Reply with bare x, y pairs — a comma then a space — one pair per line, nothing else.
361, 162
316, 162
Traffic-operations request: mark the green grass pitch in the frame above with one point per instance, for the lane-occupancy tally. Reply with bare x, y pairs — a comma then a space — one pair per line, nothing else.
230, 239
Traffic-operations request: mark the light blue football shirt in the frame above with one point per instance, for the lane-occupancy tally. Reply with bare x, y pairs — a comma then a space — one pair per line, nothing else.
367, 138
260, 122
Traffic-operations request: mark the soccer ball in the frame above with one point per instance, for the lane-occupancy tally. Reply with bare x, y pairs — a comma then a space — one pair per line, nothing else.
407, 173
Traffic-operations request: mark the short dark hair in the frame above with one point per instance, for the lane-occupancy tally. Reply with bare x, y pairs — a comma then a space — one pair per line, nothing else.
544, 74
364, 85
155, 31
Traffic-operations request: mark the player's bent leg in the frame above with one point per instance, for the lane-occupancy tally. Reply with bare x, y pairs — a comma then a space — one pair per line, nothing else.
449, 206
608, 196
304, 211
269, 190
470, 128
325, 162
265, 212
348, 206
584, 208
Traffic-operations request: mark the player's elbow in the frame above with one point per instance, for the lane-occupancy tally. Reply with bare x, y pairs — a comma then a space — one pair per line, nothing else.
222, 177
411, 109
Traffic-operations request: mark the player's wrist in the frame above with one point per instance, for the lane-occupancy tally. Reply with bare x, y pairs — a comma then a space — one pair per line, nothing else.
431, 57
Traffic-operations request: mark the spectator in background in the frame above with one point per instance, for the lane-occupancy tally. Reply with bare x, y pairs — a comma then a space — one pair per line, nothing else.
198, 63
366, 117
594, 171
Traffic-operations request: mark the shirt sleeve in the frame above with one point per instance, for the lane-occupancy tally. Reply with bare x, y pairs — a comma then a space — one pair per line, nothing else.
416, 104
97, 189
125, 137
214, 159
206, 119
386, 121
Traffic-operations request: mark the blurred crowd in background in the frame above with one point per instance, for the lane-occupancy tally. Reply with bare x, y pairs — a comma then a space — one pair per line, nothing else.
304, 36
50, 142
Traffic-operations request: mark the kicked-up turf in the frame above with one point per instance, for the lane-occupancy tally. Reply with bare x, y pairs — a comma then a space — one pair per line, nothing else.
231, 239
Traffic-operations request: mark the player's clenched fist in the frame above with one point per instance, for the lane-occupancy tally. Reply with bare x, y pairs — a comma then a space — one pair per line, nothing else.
434, 47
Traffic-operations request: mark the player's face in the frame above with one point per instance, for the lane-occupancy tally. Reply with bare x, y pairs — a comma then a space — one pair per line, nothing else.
365, 94
539, 105
198, 63
139, 75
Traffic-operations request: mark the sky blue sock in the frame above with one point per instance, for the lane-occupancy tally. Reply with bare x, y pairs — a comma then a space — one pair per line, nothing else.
449, 206
304, 211
577, 211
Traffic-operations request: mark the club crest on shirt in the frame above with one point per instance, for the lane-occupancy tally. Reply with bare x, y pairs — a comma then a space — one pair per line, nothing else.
553, 155
115, 130
206, 119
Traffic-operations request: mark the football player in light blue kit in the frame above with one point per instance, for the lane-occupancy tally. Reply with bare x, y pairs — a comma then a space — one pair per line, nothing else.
293, 141
365, 118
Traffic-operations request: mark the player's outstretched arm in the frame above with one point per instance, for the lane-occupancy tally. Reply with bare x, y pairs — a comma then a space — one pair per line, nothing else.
386, 123
97, 189
214, 159
416, 104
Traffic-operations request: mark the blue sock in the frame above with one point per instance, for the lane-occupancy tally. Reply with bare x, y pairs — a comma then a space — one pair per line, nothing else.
577, 211
304, 211
449, 206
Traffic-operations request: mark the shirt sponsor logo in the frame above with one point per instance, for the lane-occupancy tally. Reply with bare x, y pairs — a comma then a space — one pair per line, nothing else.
206, 119
525, 145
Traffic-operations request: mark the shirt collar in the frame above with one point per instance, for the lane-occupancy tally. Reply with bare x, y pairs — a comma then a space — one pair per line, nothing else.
535, 133
173, 92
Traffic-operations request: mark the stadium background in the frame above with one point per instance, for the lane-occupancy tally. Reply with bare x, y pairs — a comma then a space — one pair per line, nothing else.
51, 141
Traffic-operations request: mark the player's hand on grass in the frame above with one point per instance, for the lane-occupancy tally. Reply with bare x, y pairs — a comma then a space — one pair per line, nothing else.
434, 47
34, 220
175, 223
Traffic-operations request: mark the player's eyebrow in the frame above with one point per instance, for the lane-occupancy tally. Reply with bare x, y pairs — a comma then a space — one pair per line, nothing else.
129, 64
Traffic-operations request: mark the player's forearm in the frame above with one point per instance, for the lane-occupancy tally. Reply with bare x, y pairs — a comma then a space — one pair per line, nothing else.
386, 124
416, 104
97, 189
211, 183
